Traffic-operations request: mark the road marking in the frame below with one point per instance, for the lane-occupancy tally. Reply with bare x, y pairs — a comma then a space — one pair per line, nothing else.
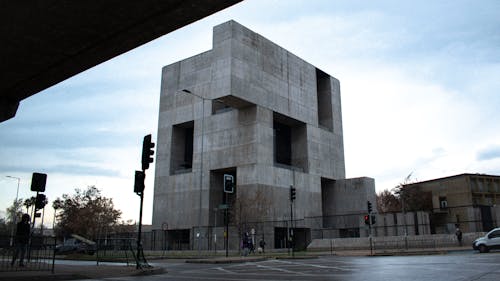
314, 265
281, 269
224, 270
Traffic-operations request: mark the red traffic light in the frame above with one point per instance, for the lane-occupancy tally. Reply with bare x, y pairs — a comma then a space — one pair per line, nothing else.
367, 219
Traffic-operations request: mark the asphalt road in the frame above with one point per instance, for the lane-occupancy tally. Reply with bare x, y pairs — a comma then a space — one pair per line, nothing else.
458, 266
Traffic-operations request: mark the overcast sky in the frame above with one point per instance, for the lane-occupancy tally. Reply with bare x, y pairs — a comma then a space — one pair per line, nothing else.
419, 81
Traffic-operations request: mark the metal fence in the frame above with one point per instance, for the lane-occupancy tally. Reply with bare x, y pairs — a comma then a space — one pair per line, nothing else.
39, 254
389, 231
116, 249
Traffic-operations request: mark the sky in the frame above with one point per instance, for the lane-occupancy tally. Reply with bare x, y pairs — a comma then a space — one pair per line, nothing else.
419, 83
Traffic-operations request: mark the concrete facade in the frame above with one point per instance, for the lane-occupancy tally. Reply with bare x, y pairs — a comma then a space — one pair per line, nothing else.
470, 200
253, 110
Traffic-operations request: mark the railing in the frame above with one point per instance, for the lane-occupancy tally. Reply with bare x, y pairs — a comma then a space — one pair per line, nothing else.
123, 249
39, 254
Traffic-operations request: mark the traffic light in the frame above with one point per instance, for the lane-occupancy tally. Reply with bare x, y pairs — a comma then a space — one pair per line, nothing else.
139, 181
292, 193
374, 219
40, 201
367, 219
228, 183
147, 152
369, 204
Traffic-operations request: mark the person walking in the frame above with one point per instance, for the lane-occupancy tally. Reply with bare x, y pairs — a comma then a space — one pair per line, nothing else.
21, 239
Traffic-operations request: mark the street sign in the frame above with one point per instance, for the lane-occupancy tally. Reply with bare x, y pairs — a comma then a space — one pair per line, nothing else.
223, 206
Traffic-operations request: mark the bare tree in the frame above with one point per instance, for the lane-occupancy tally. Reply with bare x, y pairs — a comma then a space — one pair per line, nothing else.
388, 202
249, 209
412, 197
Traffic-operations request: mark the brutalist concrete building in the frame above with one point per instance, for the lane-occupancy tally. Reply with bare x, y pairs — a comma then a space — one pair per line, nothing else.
251, 109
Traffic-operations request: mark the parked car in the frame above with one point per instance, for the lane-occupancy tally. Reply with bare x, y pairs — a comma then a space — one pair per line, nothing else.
490, 241
74, 245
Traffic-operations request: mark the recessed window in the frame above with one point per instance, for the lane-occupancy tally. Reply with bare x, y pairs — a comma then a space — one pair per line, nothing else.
324, 96
182, 148
290, 142
443, 203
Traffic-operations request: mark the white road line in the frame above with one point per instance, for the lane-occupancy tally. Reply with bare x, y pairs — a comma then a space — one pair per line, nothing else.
281, 270
224, 270
314, 265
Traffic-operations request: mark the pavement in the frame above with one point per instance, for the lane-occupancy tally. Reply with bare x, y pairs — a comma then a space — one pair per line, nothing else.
79, 272
92, 271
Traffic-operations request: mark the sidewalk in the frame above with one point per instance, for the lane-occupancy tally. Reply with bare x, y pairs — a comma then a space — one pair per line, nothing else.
78, 272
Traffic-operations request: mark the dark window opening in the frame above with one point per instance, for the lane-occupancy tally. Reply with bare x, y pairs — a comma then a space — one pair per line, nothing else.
324, 96
349, 232
177, 239
290, 143
218, 199
283, 144
182, 148
443, 204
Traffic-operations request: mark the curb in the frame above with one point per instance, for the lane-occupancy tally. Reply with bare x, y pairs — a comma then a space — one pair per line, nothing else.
219, 261
150, 271
297, 258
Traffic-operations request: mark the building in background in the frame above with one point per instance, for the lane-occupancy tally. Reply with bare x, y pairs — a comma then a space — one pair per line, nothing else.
470, 200
252, 110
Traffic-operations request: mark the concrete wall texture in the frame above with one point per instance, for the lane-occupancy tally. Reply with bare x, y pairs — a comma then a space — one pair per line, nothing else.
222, 111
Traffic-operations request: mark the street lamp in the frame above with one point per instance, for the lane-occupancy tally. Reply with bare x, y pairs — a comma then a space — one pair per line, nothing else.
15, 205
215, 230
201, 158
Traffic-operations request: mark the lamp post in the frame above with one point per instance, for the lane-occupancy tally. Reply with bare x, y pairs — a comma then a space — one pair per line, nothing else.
15, 205
201, 159
215, 230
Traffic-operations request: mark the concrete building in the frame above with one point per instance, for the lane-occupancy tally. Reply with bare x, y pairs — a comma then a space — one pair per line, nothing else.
470, 200
250, 109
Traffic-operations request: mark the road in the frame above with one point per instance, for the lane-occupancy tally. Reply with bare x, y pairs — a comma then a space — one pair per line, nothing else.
459, 266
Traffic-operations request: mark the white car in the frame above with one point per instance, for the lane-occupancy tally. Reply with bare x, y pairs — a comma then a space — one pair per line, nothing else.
490, 241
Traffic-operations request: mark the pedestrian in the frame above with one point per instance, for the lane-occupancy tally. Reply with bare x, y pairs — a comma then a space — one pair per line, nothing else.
458, 233
21, 239
262, 244
245, 244
251, 247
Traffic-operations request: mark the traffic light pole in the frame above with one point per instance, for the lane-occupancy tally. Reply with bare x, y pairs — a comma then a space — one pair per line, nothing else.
226, 222
139, 243
147, 158
371, 238
291, 228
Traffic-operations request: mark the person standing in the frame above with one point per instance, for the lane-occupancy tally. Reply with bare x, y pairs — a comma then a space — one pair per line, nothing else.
262, 245
458, 233
21, 239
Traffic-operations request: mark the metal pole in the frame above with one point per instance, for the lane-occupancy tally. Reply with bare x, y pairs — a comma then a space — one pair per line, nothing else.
404, 219
226, 232
370, 229
201, 167
15, 214
201, 159
291, 228
139, 244
215, 231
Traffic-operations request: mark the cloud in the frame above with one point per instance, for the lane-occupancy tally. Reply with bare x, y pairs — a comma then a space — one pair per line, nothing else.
419, 85
489, 153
